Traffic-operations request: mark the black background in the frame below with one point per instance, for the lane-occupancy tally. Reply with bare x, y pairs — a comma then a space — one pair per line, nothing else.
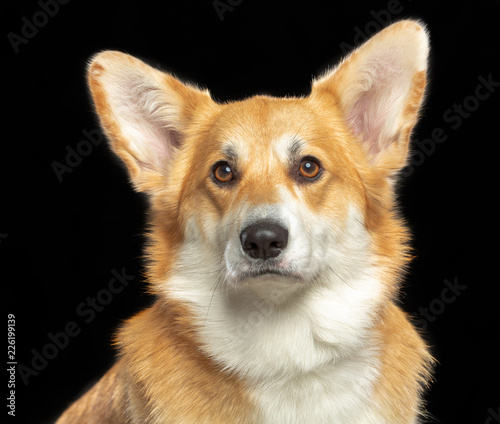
60, 240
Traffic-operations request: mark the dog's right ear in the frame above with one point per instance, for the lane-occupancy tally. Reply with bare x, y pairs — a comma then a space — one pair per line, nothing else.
143, 111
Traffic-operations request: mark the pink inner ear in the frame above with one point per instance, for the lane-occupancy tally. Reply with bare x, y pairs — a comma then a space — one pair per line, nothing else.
169, 141
365, 122
376, 107
147, 116
160, 143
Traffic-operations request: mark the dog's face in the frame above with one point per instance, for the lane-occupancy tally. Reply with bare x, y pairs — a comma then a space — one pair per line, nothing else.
293, 192
274, 193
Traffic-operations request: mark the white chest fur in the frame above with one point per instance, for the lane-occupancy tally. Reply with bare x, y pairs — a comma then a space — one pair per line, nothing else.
306, 360
336, 393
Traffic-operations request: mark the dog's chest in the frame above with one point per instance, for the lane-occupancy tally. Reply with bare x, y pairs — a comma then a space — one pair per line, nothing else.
300, 367
332, 394
313, 361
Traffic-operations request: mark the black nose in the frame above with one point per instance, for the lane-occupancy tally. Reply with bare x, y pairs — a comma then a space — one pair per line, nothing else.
264, 239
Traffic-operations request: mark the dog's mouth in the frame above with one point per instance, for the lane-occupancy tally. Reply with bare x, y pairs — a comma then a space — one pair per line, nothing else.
257, 271
266, 271
272, 282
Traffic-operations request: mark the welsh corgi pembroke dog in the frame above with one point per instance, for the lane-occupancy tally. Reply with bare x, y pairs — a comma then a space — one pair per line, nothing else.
276, 250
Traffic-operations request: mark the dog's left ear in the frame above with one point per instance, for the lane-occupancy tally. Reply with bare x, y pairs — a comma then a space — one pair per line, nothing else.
379, 89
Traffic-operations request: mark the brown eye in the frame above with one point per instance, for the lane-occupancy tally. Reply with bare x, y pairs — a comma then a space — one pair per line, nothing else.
223, 172
309, 168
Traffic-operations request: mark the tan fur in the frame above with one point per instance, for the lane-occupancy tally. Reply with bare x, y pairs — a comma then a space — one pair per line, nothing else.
192, 388
163, 375
101, 404
406, 363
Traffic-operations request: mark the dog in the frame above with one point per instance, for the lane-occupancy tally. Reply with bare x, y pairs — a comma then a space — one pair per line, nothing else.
276, 250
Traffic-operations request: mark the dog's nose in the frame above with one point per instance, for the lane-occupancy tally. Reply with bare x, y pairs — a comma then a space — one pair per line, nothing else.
264, 239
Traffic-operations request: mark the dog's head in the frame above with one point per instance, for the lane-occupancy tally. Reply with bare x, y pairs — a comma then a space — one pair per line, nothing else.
285, 191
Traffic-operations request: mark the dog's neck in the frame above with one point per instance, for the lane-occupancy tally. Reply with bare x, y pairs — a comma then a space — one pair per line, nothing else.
276, 327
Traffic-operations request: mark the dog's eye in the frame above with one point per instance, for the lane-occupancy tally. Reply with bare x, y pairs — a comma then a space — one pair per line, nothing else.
309, 168
223, 172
